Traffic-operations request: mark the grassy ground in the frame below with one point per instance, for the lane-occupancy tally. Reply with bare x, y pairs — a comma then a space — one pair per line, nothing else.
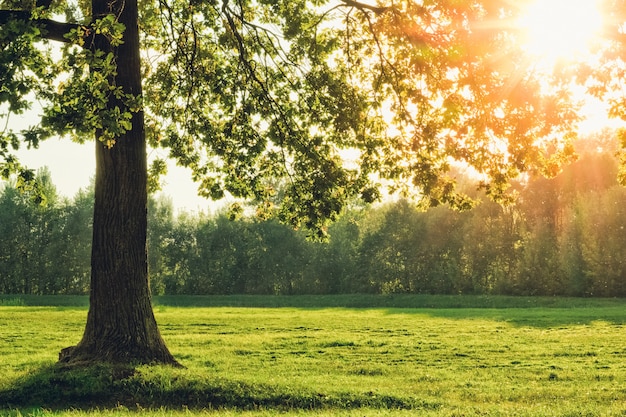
540, 360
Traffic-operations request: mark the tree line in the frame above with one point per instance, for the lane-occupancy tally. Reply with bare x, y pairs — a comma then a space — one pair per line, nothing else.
562, 236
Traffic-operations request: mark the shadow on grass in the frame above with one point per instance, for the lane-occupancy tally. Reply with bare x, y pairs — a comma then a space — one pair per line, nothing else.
109, 387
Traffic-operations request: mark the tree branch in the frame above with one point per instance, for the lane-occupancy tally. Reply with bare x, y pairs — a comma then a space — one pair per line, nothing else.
43, 3
364, 6
51, 29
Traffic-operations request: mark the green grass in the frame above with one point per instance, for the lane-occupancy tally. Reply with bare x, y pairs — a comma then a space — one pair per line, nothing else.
327, 361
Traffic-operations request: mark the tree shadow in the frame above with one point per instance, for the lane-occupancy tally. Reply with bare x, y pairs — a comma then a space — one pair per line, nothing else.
57, 387
106, 386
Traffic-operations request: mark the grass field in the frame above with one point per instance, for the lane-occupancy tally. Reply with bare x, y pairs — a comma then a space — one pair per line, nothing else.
443, 357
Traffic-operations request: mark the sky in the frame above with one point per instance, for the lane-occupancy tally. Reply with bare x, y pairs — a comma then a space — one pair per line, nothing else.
72, 166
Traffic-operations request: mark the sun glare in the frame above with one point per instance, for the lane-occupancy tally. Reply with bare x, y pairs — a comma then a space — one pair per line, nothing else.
560, 29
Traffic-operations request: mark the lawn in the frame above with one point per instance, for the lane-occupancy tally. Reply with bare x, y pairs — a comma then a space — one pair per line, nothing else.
544, 359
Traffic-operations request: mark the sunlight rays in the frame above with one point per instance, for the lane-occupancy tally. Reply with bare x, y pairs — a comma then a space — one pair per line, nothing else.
557, 30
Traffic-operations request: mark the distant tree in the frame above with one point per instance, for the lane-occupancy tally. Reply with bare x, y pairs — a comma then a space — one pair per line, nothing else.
558, 214
490, 235
180, 249
391, 252
160, 227
46, 245
277, 260
605, 243
28, 229
585, 183
77, 239
14, 245
335, 264
46, 222
220, 265
575, 247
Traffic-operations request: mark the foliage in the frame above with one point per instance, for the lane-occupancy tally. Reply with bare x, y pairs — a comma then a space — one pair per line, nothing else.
562, 237
45, 249
331, 98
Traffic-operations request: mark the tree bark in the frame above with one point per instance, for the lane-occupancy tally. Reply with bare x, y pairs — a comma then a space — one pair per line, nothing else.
52, 30
121, 327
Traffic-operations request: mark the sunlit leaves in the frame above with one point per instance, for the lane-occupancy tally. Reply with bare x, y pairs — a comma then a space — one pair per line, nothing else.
327, 99
157, 168
604, 77
253, 87
462, 89
82, 104
75, 91
109, 27
23, 67
25, 71
246, 92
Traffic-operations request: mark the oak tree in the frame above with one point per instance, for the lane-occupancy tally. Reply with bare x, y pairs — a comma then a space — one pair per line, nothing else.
328, 99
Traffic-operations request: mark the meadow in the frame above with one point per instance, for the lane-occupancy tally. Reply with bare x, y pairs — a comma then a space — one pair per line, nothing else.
323, 356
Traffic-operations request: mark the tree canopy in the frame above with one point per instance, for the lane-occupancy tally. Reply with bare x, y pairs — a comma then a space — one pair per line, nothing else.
332, 99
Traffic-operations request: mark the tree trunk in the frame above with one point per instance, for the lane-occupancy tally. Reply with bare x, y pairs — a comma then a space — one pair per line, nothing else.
121, 327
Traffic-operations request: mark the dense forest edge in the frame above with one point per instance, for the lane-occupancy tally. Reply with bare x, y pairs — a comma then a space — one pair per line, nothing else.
564, 236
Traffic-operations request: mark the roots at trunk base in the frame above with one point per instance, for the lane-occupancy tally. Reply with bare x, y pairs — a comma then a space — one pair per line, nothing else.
85, 356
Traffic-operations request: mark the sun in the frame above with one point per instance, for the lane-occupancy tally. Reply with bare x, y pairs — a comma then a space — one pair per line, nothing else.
556, 30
